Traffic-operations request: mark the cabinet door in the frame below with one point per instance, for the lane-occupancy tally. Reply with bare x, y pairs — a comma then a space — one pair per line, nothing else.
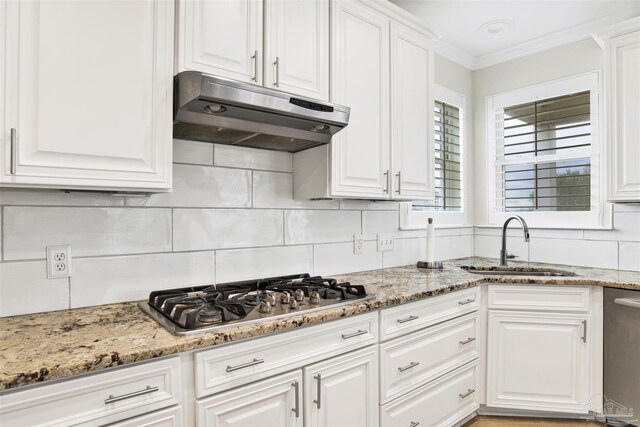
276, 402
412, 114
297, 47
221, 37
342, 391
623, 84
88, 95
538, 361
360, 79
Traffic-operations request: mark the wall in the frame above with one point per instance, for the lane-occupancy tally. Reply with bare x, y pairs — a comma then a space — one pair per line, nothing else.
617, 248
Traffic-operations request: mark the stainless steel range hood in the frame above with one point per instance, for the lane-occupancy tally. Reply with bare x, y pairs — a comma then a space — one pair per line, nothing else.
214, 109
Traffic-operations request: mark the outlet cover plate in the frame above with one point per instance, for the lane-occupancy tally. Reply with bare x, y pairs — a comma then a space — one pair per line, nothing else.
385, 242
58, 261
358, 244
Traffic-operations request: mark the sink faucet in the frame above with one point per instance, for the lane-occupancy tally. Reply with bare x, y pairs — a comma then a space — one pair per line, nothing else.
503, 252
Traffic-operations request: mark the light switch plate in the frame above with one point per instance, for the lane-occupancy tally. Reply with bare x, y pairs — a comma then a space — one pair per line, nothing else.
385, 242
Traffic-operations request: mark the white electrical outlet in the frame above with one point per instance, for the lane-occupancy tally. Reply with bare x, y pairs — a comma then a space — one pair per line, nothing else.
358, 244
385, 242
58, 261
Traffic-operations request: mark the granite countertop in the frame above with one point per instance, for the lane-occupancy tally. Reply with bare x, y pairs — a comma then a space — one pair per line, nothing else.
47, 346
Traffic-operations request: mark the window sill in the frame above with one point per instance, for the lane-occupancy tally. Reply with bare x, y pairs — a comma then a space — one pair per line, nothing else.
437, 226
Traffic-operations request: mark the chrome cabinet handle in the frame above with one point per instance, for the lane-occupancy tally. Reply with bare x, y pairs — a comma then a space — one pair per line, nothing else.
113, 399
408, 319
629, 302
277, 65
399, 182
469, 392
465, 302
409, 366
318, 400
14, 151
296, 389
255, 66
355, 334
244, 365
584, 331
414, 424
387, 176
467, 341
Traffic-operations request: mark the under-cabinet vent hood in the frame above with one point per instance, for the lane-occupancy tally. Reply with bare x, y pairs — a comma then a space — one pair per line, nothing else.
214, 109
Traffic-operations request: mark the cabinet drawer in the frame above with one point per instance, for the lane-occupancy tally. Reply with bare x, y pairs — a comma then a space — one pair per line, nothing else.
96, 399
442, 402
569, 299
417, 358
410, 317
171, 417
236, 364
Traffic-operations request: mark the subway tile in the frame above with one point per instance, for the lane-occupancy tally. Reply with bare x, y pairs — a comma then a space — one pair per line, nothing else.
405, 252
198, 229
587, 253
626, 227
386, 222
203, 187
252, 158
370, 205
629, 256
108, 280
275, 190
489, 247
24, 289
89, 231
452, 247
320, 226
30, 197
192, 152
626, 207
243, 264
338, 258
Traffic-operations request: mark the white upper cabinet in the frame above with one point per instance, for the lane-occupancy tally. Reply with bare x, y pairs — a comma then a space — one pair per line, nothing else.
87, 94
296, 49
221, 37
411, 114
360, 80
382, 68
622, 106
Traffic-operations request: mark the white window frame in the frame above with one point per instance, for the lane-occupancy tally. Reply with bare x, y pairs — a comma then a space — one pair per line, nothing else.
600, 215
413, 220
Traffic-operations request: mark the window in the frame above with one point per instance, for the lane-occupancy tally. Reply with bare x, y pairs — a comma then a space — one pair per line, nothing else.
448, 204
543, 154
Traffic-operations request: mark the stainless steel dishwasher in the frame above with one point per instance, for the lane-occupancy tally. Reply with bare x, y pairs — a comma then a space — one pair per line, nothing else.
622, 356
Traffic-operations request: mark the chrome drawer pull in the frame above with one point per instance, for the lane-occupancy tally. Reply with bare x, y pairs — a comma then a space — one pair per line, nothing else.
465, 302
414, 424
408, 319
355, 334
296, 389
113, 399
409, 366
467, 341
470, 391
584, 331
244, 365
318, 390
14, 151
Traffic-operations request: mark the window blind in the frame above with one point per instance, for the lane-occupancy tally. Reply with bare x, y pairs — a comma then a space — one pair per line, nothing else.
448, 161
543, 158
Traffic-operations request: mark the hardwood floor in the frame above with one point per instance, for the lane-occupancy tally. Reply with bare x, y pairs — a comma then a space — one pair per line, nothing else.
484, 421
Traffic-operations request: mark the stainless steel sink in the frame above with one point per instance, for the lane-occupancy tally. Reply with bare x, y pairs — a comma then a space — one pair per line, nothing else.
516, 271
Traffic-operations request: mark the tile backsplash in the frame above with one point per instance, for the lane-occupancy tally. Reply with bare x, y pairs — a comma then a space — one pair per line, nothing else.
230, 217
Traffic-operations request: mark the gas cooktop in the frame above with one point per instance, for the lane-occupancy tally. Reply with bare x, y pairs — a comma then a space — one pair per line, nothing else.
185, 311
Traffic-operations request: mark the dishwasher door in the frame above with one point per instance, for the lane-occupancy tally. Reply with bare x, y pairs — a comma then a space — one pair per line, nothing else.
622, 355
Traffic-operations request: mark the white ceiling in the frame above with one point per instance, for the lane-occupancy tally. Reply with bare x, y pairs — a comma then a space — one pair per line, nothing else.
536, 24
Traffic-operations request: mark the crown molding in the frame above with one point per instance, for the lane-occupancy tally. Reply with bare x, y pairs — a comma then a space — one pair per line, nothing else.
454, 54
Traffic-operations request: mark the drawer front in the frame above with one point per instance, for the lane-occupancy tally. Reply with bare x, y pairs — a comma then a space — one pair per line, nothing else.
415, 359
411, 317
96, 399
236, 364
568, 299
442, 402
171, 417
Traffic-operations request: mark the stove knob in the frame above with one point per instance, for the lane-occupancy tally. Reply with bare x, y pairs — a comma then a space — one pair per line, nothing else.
270, 299
285, 297
293, 304
265, 307
314, 297
299, 295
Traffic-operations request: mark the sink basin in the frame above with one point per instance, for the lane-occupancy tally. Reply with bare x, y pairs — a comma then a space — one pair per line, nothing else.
516, 271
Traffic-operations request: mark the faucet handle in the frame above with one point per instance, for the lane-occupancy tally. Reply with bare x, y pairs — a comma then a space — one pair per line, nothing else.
512, 256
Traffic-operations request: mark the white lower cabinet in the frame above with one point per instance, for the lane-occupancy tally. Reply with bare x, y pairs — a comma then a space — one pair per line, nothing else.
442, 402
275, 402
342, 391
171, 417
